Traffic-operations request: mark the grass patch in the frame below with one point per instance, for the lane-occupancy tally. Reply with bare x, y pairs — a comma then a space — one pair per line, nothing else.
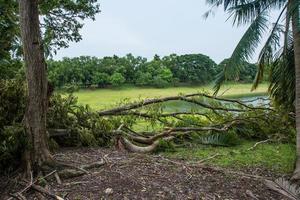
103, 98
279, 158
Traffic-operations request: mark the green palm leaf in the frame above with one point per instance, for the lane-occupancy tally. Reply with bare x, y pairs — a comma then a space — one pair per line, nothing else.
244, 50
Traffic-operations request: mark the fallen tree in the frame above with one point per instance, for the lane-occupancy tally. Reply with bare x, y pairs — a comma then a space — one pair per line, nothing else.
209, 114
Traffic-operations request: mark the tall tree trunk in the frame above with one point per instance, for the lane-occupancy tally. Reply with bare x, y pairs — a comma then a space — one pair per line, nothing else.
296, 36
37, 152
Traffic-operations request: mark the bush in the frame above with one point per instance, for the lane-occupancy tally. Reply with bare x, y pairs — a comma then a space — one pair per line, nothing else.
100, 79
85, 126
12, 134
12, 145
70, 88
12, 102
143, 79
159, 82
117, 79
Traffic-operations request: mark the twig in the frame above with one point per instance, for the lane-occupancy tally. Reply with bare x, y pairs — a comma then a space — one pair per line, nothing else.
209, 158
257, 143
46, 192
250, 194
32, 182
18, 196
57, 178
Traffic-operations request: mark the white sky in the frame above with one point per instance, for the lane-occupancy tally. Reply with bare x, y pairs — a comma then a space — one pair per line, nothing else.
148, 27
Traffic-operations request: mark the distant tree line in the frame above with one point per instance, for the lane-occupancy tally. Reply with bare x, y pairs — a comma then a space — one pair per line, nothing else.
172, 70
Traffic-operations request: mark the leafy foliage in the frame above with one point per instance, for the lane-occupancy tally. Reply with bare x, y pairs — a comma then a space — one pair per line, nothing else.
247, 74
220, 139
159, 72
117, 79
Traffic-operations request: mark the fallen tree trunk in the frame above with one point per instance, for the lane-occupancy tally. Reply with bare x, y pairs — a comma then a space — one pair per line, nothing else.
214, 116
187, 98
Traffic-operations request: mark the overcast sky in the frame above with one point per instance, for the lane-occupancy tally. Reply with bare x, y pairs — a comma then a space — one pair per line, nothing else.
148, 27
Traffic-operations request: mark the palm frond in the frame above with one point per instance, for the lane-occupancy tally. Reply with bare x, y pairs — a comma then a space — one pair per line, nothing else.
246, 12
269, 49
282, 79
284, 187
244, 50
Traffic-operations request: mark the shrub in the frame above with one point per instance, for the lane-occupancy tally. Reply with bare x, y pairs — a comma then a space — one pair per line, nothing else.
70, 88
100, 79
143, 79
12, 145
159, 82
12, 102
117, 79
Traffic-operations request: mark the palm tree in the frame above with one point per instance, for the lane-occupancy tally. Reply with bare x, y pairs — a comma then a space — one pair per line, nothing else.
281, 49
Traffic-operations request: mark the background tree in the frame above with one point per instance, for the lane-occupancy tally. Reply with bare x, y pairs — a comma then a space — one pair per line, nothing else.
117, 79
247, 74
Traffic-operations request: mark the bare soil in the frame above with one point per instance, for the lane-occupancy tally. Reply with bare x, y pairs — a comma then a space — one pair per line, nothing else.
136, 176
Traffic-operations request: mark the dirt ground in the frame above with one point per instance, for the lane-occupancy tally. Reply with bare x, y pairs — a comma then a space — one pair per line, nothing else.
135, 176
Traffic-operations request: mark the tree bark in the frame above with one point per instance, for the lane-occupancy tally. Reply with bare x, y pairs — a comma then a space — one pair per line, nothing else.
296, 36
37, 152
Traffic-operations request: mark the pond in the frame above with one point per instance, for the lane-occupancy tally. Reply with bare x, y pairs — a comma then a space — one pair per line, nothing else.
180, 106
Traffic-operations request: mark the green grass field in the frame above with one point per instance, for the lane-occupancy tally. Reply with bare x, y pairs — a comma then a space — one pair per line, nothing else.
277, 157
103, 98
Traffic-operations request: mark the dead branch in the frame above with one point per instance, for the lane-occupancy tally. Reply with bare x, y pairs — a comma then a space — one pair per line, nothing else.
258, 143
163, 115
58, 180
18, 196
209, 158
45, 192
138, 149
58, 132
70, 173
94, 165
237, 102
186, 98
168, 134
28, 186
224, 128
79, 171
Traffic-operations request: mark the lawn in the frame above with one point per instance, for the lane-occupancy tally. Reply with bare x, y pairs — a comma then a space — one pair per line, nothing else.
277, 157
103, 98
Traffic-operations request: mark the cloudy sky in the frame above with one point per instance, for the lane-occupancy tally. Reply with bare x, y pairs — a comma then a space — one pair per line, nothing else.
148, 27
